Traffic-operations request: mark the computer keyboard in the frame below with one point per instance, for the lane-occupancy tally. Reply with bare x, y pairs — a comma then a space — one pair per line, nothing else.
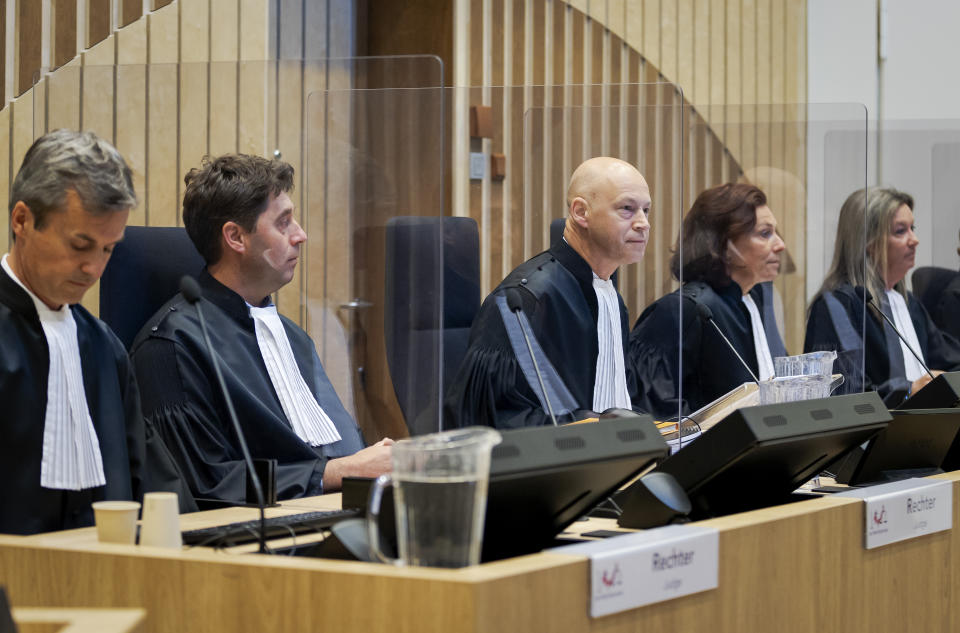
276, 527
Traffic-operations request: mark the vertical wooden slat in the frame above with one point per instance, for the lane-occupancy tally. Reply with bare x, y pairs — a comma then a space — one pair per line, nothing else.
98, 21
6, 171
718, 67
63, 96
193, 93
685, 37
130, 11
29, 27
131, 107
256, 87
499, 198
223, 79
748, 84
544, 50
161, 202
733, 131
64, 32
3, 63
97, 104
478, 211
513, 221
669, 36
291, 138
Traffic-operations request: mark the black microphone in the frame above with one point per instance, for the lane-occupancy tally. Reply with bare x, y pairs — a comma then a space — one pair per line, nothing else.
190, 290
706, 314
516, 305
865, 295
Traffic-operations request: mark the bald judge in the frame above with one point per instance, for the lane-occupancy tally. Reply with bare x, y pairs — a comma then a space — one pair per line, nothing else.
574, 316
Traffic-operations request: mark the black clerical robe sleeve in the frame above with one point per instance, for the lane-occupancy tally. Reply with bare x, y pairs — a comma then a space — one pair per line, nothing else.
135, 428
186, 410
653, 358
490, 388
947, 315
940, 349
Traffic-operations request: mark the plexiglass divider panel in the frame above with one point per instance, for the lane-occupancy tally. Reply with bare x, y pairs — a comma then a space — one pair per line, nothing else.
920, 158
806, 159
642, 125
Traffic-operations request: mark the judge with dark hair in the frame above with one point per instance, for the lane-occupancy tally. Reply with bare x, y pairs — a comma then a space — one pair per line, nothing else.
572, 311
71, 426
238, 213
728, 248
869, 353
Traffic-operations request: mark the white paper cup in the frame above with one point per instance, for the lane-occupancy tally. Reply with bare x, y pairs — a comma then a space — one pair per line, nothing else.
116, 521
160, 526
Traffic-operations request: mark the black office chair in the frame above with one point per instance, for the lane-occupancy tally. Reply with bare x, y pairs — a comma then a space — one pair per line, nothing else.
144, 272
423, 324
929, 283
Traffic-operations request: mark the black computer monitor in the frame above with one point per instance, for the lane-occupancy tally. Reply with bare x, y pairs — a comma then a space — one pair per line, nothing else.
757, 456
543, 479
943, 392
916, 443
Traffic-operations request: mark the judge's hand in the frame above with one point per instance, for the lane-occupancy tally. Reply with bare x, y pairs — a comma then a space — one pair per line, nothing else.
372, 461
920, 382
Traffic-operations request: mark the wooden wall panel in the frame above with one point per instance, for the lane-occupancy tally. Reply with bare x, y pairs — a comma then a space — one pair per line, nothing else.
727, 56
63, 86
224, 56
6, 177
190, 79
28, 43
130, 123
130, 11
99, 21
64, 36
163, 171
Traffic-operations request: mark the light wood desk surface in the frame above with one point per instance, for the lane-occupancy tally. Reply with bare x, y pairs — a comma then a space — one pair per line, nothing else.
38, 620
799, 567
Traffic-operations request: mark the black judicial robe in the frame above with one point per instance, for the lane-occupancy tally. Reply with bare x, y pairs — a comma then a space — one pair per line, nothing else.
884, 356
947, 314
709, 367
108, 381
560, 303
181, 399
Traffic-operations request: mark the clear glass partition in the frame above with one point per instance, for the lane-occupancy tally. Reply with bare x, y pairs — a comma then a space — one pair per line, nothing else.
642, 125
922, 159
418, 199
806, 159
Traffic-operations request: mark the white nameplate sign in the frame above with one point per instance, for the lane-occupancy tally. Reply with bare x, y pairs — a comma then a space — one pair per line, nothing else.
637, 569
904, 509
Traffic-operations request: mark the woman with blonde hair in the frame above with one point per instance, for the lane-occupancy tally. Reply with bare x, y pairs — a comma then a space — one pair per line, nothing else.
871, 262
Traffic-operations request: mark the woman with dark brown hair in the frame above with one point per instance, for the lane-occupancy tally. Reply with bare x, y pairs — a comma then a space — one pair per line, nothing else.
728, 248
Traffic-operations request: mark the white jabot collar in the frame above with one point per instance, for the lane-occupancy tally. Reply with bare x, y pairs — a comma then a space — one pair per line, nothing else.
610, 384
764, 358
71, 450
901, 317
309, 421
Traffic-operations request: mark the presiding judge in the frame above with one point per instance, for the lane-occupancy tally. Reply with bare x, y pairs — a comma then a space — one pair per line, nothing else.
574, 315
837, 321
238, 213
728, 248
71, 424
